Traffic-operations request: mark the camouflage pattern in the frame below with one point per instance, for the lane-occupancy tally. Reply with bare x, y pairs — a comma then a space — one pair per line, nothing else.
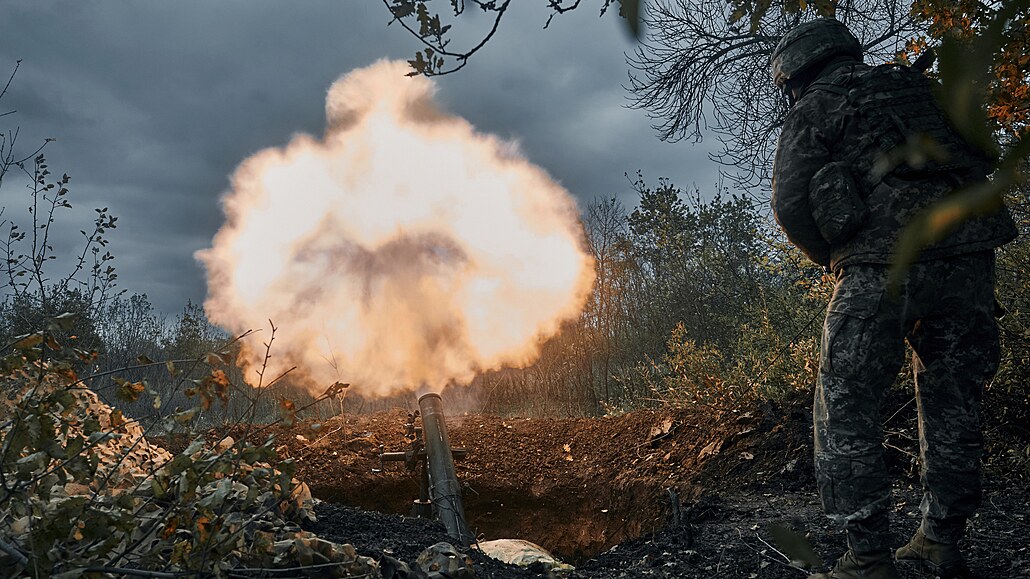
893, 103
824, 127
841, 211
809, 44
945, 310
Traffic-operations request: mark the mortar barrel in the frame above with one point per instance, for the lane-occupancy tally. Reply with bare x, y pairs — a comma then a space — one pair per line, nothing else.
443, 483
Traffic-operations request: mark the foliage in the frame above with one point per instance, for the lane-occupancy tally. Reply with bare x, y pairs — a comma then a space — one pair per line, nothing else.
696, 302
27, 253
764, 365
83, 492
692, 375
83, 489
986, 40
1008, 99
1007, 403
727, 299
699, 260
420, 19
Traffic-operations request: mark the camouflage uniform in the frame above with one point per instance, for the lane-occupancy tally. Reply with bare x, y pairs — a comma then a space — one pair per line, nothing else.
945, 311
819, 130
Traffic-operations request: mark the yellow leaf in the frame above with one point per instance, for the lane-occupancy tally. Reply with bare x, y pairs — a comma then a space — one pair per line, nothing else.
219, 377
117, 418
170, 526
203, 528
29, 341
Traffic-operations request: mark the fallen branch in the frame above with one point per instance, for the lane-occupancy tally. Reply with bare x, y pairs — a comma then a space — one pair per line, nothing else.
253, 571
774, 549
139, 572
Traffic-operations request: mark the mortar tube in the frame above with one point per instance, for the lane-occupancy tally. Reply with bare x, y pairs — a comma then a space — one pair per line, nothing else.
444, 490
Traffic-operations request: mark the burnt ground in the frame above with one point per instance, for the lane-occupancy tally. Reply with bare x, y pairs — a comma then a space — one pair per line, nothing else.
596, 491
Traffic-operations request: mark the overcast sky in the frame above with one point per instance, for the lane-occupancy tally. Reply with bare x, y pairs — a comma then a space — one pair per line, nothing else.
153, 104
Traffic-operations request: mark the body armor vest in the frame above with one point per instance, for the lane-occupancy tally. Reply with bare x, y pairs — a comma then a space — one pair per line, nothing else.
904, 132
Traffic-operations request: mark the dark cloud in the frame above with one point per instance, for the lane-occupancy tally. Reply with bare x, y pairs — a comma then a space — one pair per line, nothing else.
154, 103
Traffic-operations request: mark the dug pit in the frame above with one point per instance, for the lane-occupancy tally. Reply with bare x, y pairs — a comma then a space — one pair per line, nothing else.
574, 486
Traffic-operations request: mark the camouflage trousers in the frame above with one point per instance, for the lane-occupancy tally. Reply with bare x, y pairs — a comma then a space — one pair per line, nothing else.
945, 310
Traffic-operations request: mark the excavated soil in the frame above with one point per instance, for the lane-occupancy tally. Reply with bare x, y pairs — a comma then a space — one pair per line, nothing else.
577, 486
646, 494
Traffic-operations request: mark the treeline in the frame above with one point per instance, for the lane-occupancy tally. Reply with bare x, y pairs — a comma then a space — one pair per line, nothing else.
701, 301
123, 339
698, 300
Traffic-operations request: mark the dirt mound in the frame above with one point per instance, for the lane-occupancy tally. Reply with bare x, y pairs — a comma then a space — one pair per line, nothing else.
602, 493
576, 486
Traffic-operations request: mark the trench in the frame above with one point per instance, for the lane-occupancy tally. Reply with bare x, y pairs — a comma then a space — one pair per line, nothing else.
575, 486
574, 522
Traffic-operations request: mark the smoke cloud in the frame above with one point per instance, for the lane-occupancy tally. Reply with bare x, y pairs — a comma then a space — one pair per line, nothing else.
401, 250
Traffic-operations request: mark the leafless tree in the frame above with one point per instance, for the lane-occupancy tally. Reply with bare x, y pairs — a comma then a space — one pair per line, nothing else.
698, 70
701, 67
606, 224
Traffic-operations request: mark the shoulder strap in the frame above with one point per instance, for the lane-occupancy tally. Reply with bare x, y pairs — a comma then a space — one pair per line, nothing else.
837, 80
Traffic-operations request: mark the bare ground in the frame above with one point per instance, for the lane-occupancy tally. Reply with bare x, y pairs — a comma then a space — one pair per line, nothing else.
596, 491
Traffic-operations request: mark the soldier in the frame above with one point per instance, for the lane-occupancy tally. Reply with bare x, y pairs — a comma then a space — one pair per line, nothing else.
842, 194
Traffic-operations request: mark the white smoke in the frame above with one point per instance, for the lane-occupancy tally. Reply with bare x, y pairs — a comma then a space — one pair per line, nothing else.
402, 249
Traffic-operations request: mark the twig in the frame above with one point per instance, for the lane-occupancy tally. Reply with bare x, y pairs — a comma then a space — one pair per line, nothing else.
774, 549
767, 557
139, 572
1004, 514
308, 447
82, 381
17, 64
903, 406
247, 571
440, 47
901, 450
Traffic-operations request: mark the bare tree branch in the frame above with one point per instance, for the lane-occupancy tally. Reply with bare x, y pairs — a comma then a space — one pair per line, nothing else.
436, 58
432, 34
697, 71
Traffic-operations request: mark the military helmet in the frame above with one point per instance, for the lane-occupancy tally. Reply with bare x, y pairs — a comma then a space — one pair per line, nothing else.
811, 43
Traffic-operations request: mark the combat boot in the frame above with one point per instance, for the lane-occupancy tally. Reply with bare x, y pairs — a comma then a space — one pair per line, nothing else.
942, 559
875, 565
